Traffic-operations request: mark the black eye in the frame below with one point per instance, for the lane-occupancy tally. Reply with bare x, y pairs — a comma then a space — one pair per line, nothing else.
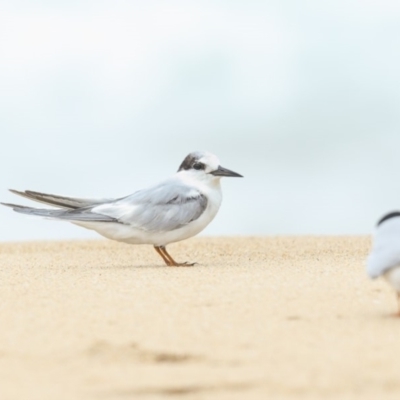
198, 166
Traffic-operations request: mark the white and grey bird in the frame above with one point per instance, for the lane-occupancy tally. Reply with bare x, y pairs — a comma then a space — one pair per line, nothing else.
175, 209
384, 259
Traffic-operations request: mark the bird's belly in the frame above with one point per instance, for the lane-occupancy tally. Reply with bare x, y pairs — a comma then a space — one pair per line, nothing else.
116, 231
392, 276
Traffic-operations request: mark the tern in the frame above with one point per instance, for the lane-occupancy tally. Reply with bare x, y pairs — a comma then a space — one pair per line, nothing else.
384, 259
173, 210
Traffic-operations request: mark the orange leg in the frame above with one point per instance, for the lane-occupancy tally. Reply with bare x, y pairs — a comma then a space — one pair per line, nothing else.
166, 260
172, 262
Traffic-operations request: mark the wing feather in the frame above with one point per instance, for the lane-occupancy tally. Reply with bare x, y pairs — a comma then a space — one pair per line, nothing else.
59, 201
167, 206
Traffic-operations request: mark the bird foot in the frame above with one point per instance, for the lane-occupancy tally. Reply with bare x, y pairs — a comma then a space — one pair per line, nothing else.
184, 264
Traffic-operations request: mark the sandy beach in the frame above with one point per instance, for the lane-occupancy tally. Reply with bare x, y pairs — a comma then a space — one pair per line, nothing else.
256, 318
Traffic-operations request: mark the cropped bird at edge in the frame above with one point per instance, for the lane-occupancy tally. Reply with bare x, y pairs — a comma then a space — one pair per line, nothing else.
384, 259
175, 209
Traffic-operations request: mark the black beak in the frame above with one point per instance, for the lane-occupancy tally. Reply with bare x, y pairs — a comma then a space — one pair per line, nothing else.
221, 171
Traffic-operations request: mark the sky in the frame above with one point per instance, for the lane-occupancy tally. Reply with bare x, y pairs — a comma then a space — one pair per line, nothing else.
102, 98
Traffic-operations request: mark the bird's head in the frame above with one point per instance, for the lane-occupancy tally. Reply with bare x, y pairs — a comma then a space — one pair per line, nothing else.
205, 166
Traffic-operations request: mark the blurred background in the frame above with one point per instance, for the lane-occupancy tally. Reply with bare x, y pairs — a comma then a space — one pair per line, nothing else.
101, 98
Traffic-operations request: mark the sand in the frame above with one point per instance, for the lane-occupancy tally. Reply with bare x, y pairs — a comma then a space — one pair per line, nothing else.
257, 318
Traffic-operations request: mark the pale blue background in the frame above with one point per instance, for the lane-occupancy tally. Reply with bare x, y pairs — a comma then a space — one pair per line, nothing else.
101, 98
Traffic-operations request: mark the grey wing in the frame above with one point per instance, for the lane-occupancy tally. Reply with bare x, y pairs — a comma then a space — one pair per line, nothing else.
165, 207
59, 201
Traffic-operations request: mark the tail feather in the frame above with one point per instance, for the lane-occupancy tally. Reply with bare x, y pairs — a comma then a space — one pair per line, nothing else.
59, 201
68, 215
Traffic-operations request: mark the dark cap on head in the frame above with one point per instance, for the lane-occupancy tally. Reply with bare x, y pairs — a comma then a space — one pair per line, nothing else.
390, 215
192, 162
207, 162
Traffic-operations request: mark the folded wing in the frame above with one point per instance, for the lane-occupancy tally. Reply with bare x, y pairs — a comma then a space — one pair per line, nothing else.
169, 205
165, 207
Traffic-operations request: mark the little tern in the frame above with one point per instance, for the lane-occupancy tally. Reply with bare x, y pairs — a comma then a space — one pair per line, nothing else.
384, 259
175, 209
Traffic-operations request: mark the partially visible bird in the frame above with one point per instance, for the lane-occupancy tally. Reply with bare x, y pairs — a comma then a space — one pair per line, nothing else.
175, 209
384, 259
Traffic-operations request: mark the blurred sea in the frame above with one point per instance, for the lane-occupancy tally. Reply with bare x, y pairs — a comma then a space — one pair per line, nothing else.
100, 99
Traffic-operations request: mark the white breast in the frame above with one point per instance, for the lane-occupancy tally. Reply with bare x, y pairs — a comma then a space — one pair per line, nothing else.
214, 199
385, 253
